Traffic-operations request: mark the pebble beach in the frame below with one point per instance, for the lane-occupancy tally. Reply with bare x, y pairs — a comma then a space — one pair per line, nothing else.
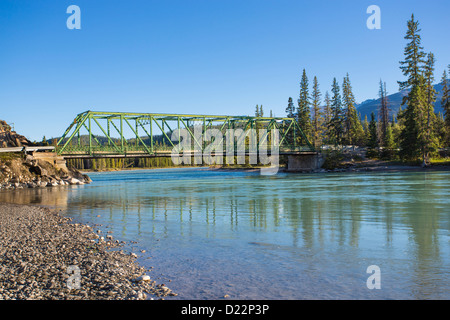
45, 256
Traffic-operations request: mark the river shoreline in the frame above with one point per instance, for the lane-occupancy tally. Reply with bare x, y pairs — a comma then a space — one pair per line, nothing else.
373, 166
38, 245
42, 253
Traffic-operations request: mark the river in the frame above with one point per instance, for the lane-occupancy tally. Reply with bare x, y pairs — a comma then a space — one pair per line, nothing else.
210, 233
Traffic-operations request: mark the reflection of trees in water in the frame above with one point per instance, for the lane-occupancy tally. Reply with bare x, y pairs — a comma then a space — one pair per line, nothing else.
48, 196
424, 230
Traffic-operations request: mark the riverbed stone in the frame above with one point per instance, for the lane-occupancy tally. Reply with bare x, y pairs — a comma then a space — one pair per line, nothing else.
38, 245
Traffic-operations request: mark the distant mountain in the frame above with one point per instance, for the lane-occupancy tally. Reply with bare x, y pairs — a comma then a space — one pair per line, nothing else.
395, 100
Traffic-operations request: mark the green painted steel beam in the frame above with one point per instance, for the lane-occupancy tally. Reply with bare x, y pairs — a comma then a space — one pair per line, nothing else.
286, 126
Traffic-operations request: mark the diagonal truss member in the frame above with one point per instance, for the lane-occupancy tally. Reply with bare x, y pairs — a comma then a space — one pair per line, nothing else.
108, 133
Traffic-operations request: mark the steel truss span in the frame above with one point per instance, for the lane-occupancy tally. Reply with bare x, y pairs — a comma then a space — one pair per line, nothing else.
124, 134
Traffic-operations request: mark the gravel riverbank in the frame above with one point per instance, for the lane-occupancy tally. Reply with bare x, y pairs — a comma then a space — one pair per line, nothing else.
44, 256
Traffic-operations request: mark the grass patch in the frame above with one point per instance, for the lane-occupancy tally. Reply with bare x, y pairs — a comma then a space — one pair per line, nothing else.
7, 156
440, 162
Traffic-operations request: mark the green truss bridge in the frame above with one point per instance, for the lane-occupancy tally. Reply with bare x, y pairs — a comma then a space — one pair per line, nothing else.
95, 134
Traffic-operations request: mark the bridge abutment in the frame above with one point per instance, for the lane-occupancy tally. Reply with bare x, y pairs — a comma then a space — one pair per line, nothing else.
304, 162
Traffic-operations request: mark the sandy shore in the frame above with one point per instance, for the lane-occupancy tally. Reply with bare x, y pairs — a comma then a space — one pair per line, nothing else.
45, 256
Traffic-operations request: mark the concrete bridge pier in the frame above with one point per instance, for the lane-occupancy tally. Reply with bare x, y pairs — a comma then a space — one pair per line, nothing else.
304, 162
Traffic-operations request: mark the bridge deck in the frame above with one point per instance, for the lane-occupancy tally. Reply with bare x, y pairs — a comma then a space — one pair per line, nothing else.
151, 132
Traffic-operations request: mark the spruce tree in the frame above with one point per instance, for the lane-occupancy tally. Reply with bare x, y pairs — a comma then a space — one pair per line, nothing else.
445, 102
316, 115
257, 111
290, 113
335, 125
412, 66
413, 136
303, 112
290, 110
365, 125
431, 141
327, 118
372, 141
352, 124
388, 143
383, 113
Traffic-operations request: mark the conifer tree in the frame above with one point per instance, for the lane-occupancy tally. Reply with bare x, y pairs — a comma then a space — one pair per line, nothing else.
388, 143
326, 118
303, 112
316, 116
431, 141
257, 111
383, 113
445, 102
327, 108
290, 110
413, 136
352, 124
335, 125
372, 143
365, 125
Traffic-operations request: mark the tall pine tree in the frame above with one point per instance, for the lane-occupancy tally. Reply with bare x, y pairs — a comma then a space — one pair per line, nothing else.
326, 118
303, 111
383, 114
372, 141
352, 123
316, 114
431, 141
335, 126
413, 135
445, 102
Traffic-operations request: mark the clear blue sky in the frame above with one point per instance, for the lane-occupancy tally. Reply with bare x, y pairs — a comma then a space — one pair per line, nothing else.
197, 56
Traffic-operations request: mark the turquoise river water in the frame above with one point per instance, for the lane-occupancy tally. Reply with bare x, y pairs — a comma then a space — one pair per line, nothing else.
210, 233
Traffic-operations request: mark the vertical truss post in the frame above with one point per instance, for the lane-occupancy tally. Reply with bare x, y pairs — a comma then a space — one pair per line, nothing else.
137, 132
295, 136
151, 133
90, 135
108, 130
121, 133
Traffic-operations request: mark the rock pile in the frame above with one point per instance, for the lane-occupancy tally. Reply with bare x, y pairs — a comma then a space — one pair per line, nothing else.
19, 173
9, 138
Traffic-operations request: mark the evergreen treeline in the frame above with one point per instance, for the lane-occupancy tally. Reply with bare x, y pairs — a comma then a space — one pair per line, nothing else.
417, 133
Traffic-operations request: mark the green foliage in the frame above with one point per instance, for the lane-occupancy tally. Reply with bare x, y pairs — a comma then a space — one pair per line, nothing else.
417, 139
445, 102
372, 143
303, 111
335, 126
7, 156
290, 110
354, 133
316, 114
388, 151
333, 159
